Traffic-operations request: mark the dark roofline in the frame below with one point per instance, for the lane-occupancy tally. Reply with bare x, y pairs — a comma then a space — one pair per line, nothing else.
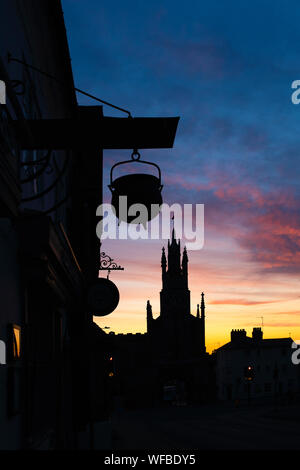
250, 343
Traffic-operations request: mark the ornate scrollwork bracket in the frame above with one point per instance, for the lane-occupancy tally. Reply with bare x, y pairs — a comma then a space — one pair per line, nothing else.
108, 264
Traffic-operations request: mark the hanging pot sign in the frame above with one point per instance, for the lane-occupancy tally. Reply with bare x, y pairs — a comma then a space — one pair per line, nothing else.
102, 297
140, 189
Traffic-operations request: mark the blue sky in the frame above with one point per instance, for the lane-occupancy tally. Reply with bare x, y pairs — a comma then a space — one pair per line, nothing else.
226, 68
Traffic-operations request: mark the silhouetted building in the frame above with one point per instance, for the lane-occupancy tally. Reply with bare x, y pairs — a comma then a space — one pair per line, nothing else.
172, 354
133, 374
49, 249
273, 373
55, 386
176, 333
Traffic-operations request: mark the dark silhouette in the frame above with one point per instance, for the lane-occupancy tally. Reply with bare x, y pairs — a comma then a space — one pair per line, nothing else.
55, 388
62, 378
176, 333
169, 363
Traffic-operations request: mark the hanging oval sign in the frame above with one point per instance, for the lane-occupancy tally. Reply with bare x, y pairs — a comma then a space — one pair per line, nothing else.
102, 297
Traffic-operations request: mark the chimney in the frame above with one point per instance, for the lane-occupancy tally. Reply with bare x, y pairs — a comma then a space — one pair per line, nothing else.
257, 334
238, 336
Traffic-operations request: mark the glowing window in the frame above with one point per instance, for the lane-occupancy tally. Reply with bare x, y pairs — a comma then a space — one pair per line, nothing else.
16, 342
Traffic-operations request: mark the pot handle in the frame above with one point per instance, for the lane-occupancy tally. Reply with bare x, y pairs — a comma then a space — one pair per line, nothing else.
137, 161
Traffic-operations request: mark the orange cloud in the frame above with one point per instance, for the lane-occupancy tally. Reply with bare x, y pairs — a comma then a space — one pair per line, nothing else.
241, 302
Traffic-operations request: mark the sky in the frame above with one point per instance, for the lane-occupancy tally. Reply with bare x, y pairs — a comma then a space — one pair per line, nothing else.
226, 68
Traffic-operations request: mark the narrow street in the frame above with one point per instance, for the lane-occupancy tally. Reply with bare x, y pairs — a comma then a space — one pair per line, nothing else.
211, 428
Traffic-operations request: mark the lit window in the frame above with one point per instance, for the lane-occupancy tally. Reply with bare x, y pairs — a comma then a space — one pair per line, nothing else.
17, 342
14, 342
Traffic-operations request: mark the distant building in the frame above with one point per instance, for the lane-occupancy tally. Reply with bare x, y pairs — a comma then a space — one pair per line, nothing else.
176, 333
172, 354
274, 374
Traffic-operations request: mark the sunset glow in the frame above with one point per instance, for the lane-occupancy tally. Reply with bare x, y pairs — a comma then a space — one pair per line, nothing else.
236, 150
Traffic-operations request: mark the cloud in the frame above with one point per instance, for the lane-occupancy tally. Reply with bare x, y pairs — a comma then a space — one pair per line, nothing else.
242, 302
208, 57
278, 325
265, 222
253, 139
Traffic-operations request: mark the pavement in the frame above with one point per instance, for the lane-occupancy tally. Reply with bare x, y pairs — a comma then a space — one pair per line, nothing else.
209, 427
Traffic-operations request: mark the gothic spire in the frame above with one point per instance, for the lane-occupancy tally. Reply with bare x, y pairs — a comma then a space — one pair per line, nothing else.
174, 266
202, 306
184, 265
172, 242
184, 257
149, 317
149, 310
173, 237
163, 259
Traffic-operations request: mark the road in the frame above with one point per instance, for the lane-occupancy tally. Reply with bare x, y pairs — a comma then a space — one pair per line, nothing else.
208, 427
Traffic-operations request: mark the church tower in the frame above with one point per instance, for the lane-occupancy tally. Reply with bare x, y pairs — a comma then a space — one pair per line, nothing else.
176, 334
175, 295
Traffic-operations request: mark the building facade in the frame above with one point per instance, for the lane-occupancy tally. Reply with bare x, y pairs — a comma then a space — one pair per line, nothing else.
175, 332
274, 374
172, 353
49, 250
